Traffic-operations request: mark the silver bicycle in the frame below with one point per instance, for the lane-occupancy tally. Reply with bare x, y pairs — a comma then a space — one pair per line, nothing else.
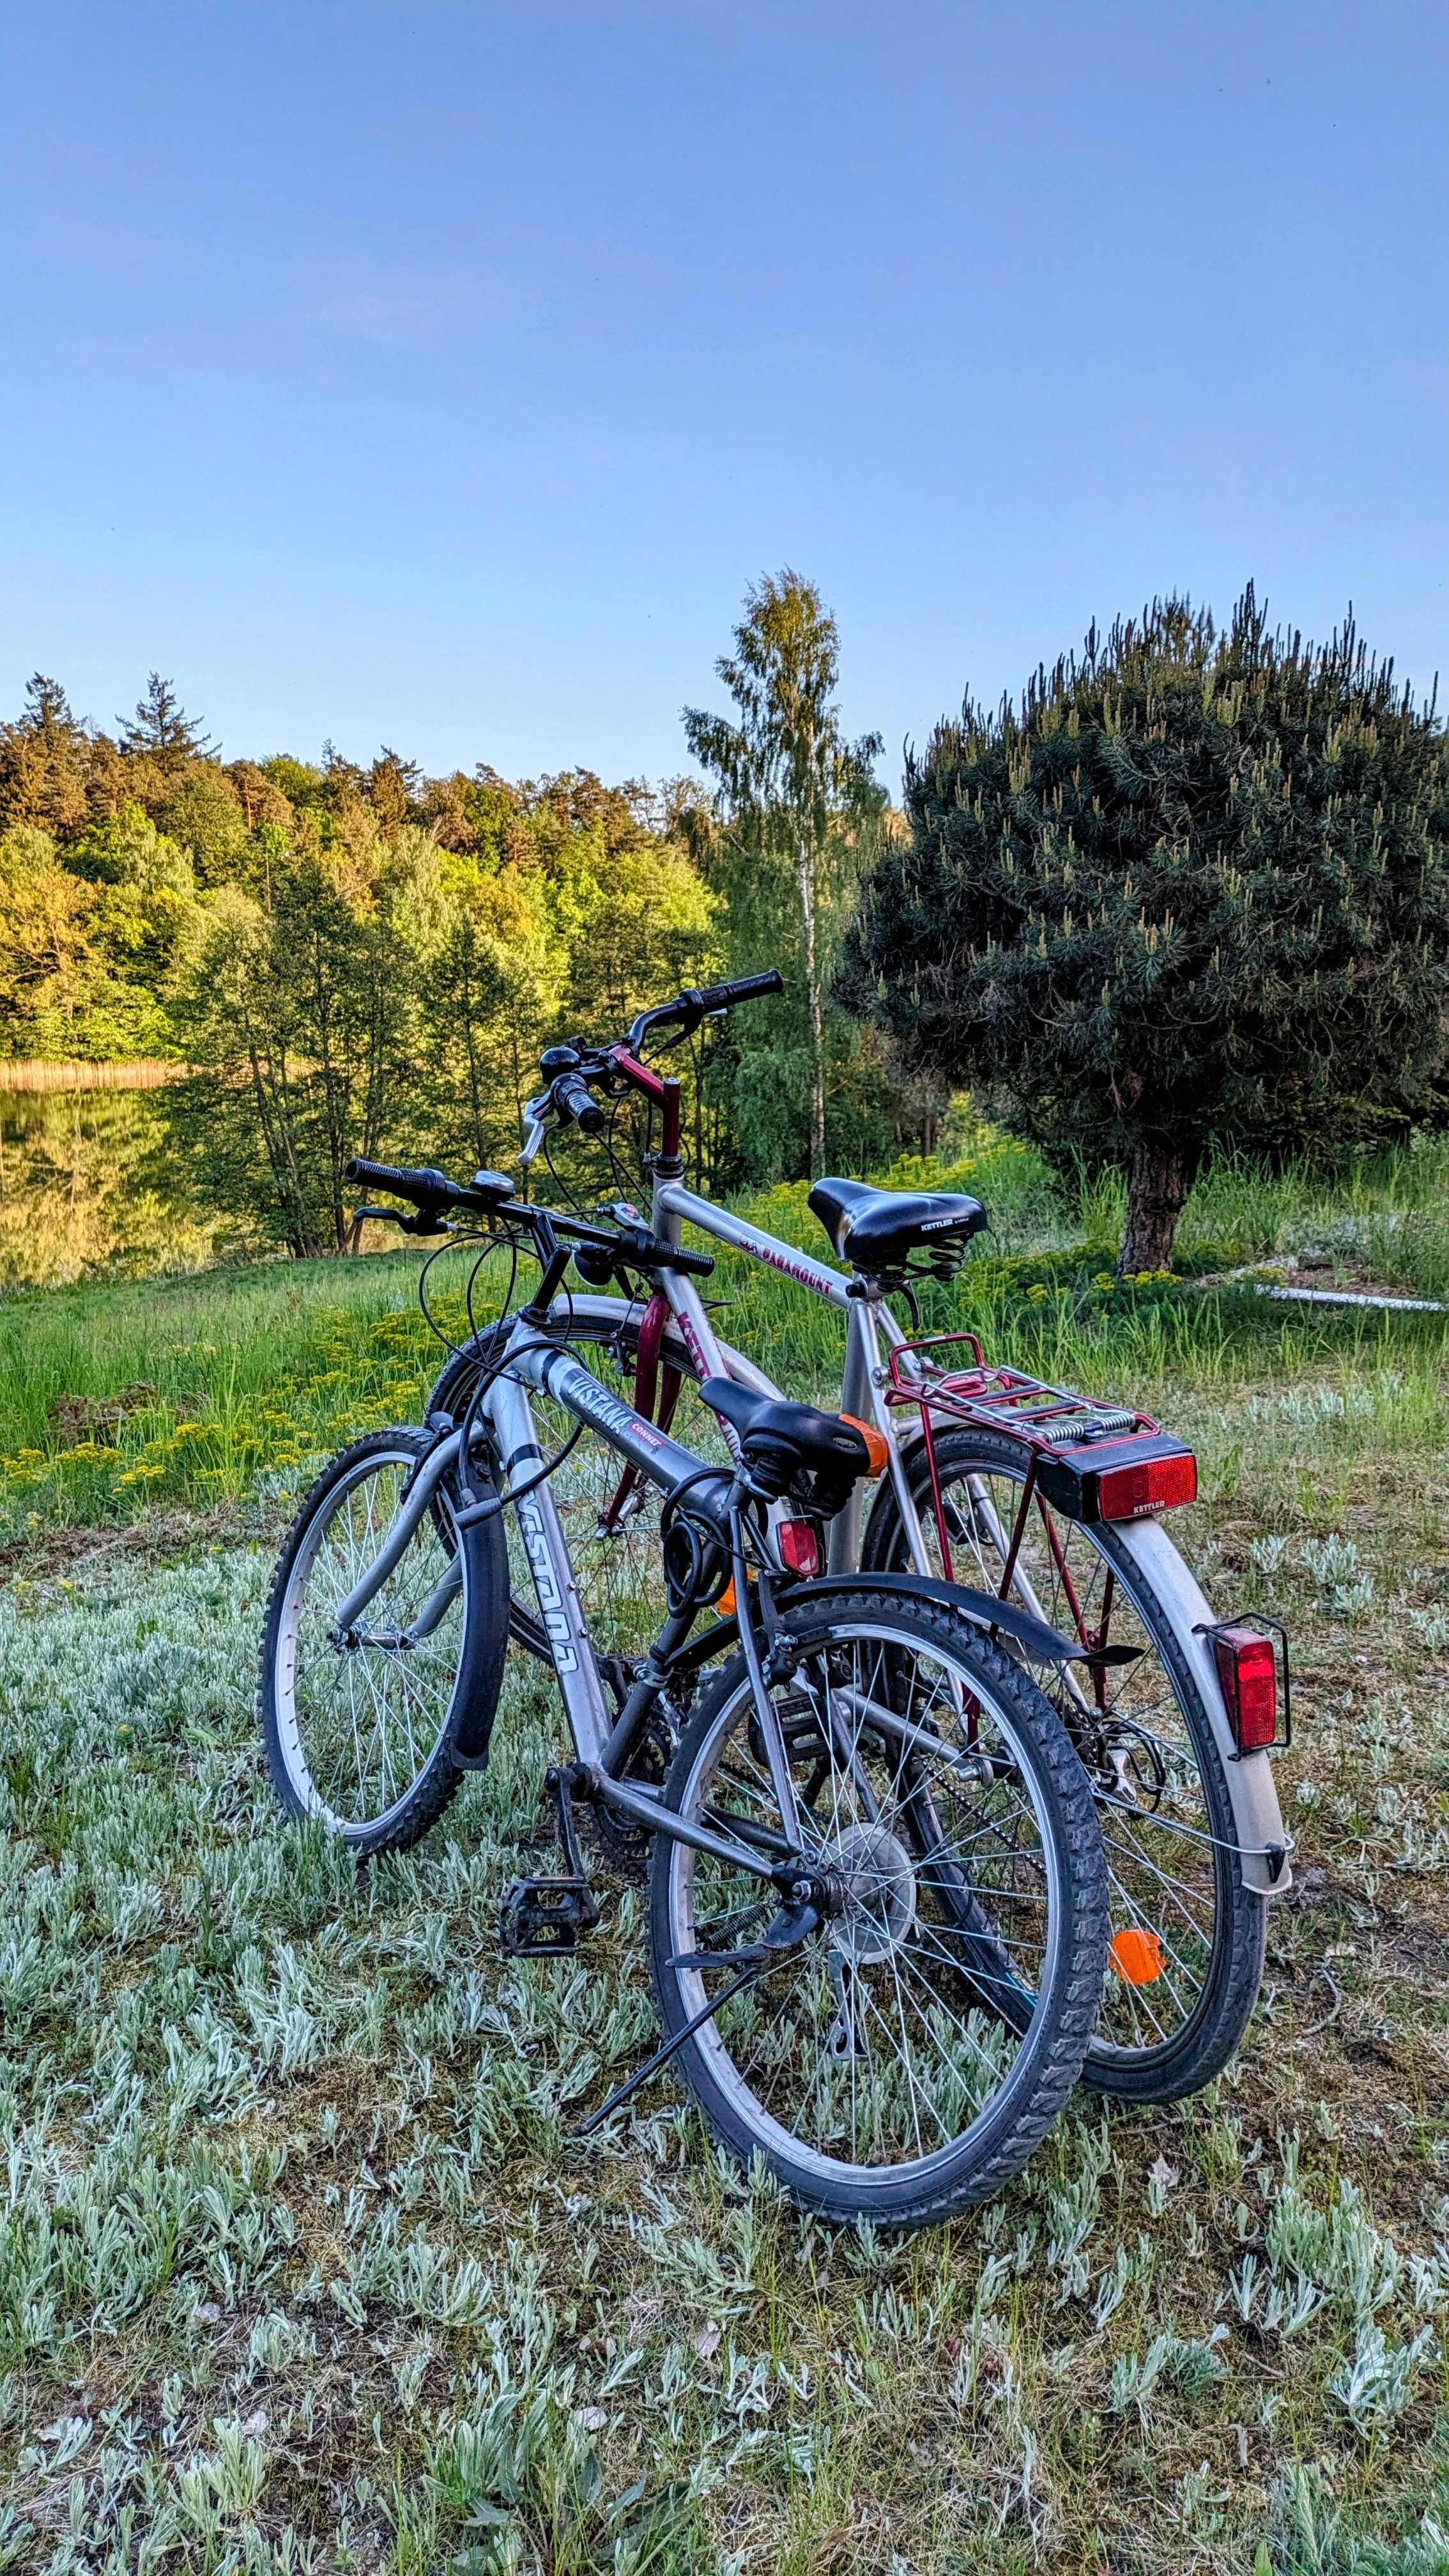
877, 1900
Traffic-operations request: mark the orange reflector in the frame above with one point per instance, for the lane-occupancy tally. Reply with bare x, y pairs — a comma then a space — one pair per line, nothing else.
1137, 1956
726, 1602
877, 1447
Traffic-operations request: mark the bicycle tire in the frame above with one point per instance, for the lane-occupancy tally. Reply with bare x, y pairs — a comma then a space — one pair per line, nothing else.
1062, 2014
1190, 2055
477, 1642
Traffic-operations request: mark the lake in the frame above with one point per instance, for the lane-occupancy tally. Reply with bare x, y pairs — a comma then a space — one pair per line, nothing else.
87, 1186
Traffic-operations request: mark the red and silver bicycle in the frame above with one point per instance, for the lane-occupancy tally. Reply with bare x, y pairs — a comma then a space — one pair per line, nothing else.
988, 1481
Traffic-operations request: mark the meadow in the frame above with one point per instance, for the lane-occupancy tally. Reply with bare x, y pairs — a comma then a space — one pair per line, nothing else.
300, 2265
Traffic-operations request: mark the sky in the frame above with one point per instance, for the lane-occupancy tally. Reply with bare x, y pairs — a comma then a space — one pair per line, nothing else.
441, 376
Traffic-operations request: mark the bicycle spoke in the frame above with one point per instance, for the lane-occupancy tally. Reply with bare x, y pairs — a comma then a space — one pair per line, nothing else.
937, 1941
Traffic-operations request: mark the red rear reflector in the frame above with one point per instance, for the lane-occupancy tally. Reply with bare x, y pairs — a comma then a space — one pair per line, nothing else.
799, 1547
1119, 1480
1248, 1672
1153, 1485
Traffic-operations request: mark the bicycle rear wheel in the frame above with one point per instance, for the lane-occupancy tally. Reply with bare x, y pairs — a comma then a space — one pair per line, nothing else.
1187, 1932
904, 2060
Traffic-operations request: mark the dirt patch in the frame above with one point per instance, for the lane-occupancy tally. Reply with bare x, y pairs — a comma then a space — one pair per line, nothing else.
99, 1417
160, 1539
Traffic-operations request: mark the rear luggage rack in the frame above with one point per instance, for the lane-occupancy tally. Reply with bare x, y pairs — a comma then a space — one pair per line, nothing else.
1092, 1462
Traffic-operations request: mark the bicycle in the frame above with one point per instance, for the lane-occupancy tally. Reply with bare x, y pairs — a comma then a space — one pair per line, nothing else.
1046, 1498
877, 1910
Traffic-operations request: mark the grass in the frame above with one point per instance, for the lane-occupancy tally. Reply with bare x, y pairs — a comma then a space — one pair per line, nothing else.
299, 2266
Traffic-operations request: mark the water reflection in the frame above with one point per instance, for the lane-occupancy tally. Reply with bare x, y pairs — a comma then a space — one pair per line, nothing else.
88, 1187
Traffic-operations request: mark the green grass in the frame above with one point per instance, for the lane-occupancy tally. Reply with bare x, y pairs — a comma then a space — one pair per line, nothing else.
299, 2267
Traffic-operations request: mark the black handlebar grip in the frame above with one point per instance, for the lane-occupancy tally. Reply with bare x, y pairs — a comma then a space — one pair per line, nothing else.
673, 1256
574, 1099
747, 988
424, 1186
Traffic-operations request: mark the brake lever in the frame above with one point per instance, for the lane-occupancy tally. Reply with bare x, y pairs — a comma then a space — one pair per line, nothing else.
533, 1140
419, 1224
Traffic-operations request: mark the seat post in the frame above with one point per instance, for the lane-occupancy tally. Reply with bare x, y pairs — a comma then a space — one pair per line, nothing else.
842, 1546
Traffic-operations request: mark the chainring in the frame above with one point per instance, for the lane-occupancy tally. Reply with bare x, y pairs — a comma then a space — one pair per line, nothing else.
617, 1839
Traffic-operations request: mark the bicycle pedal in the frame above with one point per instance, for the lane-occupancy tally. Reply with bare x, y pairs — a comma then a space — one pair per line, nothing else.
543, 1917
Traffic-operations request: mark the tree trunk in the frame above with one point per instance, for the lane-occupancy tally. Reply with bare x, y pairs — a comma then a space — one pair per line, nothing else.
1159, 1177
817, 1016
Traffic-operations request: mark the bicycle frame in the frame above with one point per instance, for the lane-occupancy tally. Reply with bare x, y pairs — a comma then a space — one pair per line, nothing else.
652, 1453
868, 1323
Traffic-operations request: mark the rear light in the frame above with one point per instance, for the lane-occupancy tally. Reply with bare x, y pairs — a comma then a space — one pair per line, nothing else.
1119, 1480
1248, 1674
1158, 1485
799, 1545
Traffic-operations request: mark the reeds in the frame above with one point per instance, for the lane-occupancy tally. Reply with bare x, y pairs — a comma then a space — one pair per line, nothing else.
31, 1073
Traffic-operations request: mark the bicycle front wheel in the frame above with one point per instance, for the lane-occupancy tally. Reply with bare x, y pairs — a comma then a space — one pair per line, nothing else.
904, 2060
1188, 1934
360, 1729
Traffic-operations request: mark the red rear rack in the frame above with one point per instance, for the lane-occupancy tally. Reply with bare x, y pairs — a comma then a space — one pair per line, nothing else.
1091, 1462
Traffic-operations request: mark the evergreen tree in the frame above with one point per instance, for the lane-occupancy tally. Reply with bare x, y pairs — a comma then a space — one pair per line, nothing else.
44, 763
1194, 890
160, 731
393, 787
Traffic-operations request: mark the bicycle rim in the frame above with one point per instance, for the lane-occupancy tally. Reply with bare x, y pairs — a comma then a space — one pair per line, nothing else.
1171, 1880
887, 2044
358, 1724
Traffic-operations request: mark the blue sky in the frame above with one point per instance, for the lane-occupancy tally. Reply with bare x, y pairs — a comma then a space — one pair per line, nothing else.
442, 374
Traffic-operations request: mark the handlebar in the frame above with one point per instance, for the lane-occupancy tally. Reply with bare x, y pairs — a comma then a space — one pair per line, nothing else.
745, 988
634, 1243
572, 1070
701, 1002
434, 1195
423, 1186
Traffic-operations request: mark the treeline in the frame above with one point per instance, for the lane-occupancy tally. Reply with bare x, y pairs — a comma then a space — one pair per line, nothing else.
344, 959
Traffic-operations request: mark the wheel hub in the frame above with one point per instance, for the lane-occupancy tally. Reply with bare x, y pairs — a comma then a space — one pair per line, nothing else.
874, 1880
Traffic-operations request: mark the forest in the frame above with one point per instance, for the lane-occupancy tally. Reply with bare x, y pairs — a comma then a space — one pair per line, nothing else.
339, 959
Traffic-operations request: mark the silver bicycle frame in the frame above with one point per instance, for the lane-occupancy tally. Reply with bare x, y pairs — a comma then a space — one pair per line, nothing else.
509, 1415
867, 1323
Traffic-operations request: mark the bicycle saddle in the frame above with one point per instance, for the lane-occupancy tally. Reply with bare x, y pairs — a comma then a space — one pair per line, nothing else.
875, 1229
784, 1442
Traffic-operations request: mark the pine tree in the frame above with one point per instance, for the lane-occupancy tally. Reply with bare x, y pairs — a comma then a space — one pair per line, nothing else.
44, 763
161, 731
1193, 891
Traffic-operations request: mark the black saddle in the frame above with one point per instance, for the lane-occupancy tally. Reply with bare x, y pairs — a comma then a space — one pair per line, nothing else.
874, 1230
790, 1448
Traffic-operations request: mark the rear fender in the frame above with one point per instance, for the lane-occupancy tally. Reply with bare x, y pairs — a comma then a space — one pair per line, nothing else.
1257, 1817
1264, 1845
1044, 1644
